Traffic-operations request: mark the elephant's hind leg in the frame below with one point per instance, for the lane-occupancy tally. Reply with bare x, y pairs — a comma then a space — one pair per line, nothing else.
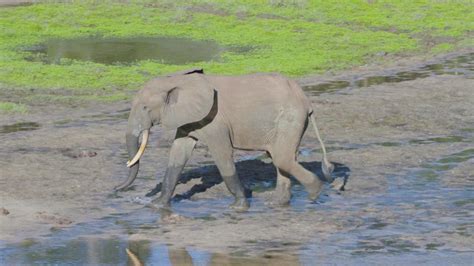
289, 165
283, 154
310, 181
282, 194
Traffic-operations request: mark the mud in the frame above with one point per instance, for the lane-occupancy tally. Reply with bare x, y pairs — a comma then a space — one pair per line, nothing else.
22, 126
15, 3
404, 153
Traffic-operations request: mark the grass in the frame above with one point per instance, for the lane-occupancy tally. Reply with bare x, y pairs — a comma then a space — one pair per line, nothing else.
8, 107
294, 37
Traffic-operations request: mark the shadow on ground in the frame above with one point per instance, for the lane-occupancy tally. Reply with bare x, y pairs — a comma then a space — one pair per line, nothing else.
256, 176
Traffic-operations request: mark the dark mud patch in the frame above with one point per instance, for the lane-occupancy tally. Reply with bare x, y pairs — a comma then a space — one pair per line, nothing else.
22, 126
4, 211
168, 50
385, 245
53, 219
448, 139
77, 154
73, 153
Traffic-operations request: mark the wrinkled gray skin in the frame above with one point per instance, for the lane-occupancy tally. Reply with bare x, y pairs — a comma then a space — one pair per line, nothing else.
264, 112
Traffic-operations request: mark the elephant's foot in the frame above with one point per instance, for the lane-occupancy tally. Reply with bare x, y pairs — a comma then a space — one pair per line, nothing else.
282, 194
276, 203
240, 205
314, 189
160, 203
280, 199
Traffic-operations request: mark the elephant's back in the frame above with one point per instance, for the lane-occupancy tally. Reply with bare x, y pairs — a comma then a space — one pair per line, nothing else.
255, 104
260, 88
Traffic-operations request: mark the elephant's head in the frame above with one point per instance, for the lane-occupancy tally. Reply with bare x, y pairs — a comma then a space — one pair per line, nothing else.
171, 101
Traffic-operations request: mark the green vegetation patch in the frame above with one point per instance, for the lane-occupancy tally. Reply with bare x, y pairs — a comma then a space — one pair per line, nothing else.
8, 107
292, 37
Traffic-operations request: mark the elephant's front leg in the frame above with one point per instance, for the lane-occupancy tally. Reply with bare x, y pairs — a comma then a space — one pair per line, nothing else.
222, 152
180, 152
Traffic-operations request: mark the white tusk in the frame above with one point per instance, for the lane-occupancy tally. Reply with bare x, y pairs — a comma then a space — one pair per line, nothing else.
133, 258
140, 151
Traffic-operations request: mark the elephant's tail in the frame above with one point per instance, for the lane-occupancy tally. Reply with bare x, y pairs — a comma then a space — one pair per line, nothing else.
326, 166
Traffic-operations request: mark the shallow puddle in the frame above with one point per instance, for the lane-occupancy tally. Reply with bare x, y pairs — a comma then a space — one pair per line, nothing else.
22, 126
328, 86
168, 50
112, 251
460, 65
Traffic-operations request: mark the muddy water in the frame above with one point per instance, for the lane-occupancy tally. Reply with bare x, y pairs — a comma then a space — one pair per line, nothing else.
168, 50
336, 146
422, 216
111, 251
421, 207
460, 65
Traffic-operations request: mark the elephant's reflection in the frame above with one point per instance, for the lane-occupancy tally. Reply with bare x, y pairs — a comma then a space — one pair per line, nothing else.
180, 256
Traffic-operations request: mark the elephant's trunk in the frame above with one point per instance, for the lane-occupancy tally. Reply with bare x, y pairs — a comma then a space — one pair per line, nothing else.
138, 122
132, 148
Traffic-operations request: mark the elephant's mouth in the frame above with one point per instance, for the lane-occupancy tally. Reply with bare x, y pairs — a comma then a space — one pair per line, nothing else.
140, 152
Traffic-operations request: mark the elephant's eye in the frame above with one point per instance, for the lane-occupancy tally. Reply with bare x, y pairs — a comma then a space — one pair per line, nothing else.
144, 107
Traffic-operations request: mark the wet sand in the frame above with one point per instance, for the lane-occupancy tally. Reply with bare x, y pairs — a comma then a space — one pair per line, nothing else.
406, 149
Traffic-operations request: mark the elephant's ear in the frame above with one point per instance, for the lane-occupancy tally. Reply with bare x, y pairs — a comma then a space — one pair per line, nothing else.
190, 100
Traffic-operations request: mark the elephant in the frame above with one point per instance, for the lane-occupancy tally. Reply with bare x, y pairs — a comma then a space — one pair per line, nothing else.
262, 112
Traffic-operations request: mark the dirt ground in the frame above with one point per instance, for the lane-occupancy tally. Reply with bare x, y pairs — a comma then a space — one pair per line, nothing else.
59, 172
7, 3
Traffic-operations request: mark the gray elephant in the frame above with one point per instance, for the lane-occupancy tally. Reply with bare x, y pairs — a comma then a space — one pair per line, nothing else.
266, 112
